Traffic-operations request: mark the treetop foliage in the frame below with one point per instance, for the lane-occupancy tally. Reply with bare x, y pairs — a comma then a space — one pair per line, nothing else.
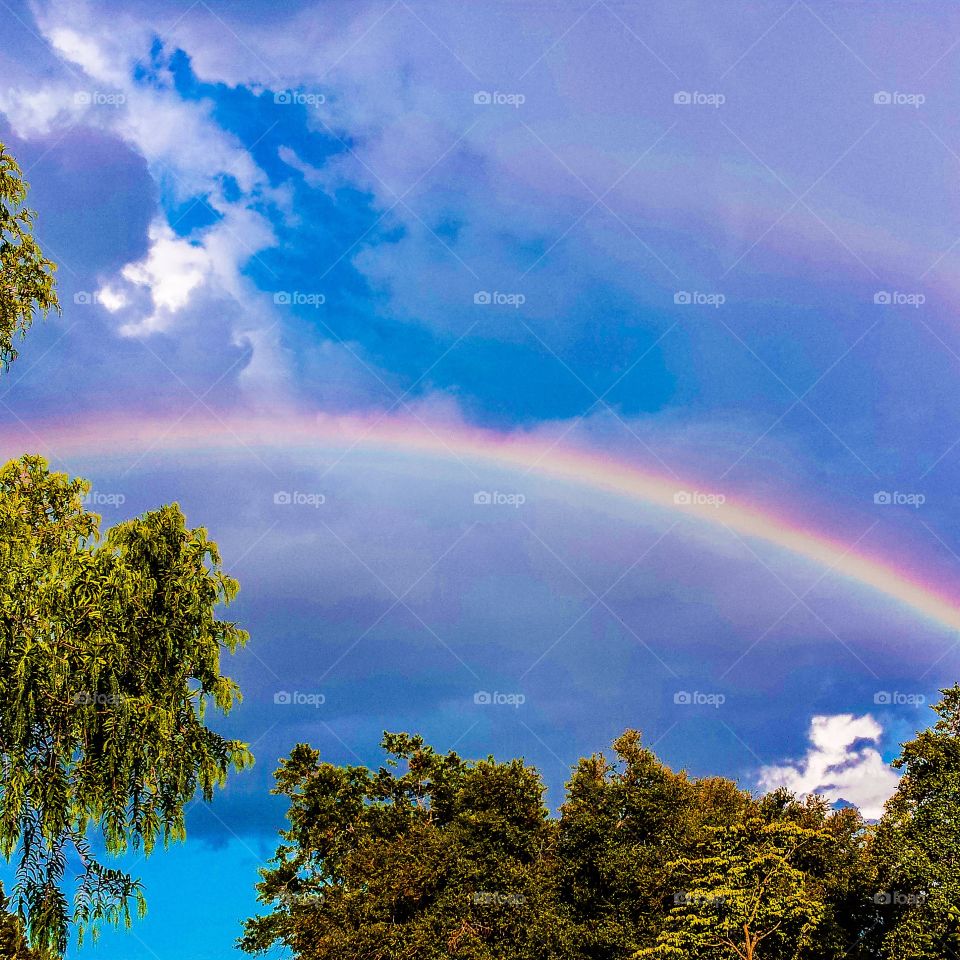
26, 275
109, 655
435, 856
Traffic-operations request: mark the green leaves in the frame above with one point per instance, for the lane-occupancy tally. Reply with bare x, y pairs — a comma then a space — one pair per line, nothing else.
13, 943
109, 651
430, 856
26, 276
109, 654
434, 856
917, 846
744, 895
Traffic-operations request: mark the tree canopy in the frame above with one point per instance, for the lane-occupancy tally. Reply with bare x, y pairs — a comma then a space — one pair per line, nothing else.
109, 655
432, 855
26, 275
444, 858
13, 941
917, 845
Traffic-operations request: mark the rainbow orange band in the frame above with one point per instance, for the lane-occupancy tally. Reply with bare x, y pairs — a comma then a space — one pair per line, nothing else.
520, 452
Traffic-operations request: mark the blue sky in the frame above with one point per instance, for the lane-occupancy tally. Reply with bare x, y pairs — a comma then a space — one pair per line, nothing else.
275, 213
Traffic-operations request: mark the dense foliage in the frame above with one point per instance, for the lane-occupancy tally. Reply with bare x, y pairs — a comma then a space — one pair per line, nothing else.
26, 276
379, 863
13, 941
109, 653
918, 844
434, 856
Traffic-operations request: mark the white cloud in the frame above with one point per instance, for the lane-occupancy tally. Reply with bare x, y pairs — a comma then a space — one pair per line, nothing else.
189, 154
314, 176
839, 765
87, 53
111, 299
172, 269
35, 112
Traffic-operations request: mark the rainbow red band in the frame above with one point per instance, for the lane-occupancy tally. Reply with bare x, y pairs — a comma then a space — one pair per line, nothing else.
518, 452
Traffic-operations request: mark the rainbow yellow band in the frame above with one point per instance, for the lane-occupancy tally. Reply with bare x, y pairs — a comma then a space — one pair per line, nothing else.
523, 453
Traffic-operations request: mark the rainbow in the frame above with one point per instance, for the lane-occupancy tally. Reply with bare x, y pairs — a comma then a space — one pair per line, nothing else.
520, 452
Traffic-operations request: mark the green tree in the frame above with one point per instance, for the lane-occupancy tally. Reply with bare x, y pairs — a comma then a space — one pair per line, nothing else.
917, 847
449, 858
109, 655
438, 858
623, 822
13, 942
26, 276
838, 872
744, 894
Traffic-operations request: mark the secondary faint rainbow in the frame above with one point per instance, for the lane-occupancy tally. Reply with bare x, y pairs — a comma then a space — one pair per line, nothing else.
521, 452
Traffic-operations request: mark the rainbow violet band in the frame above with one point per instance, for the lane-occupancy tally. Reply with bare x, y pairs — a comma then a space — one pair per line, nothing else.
543, 457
